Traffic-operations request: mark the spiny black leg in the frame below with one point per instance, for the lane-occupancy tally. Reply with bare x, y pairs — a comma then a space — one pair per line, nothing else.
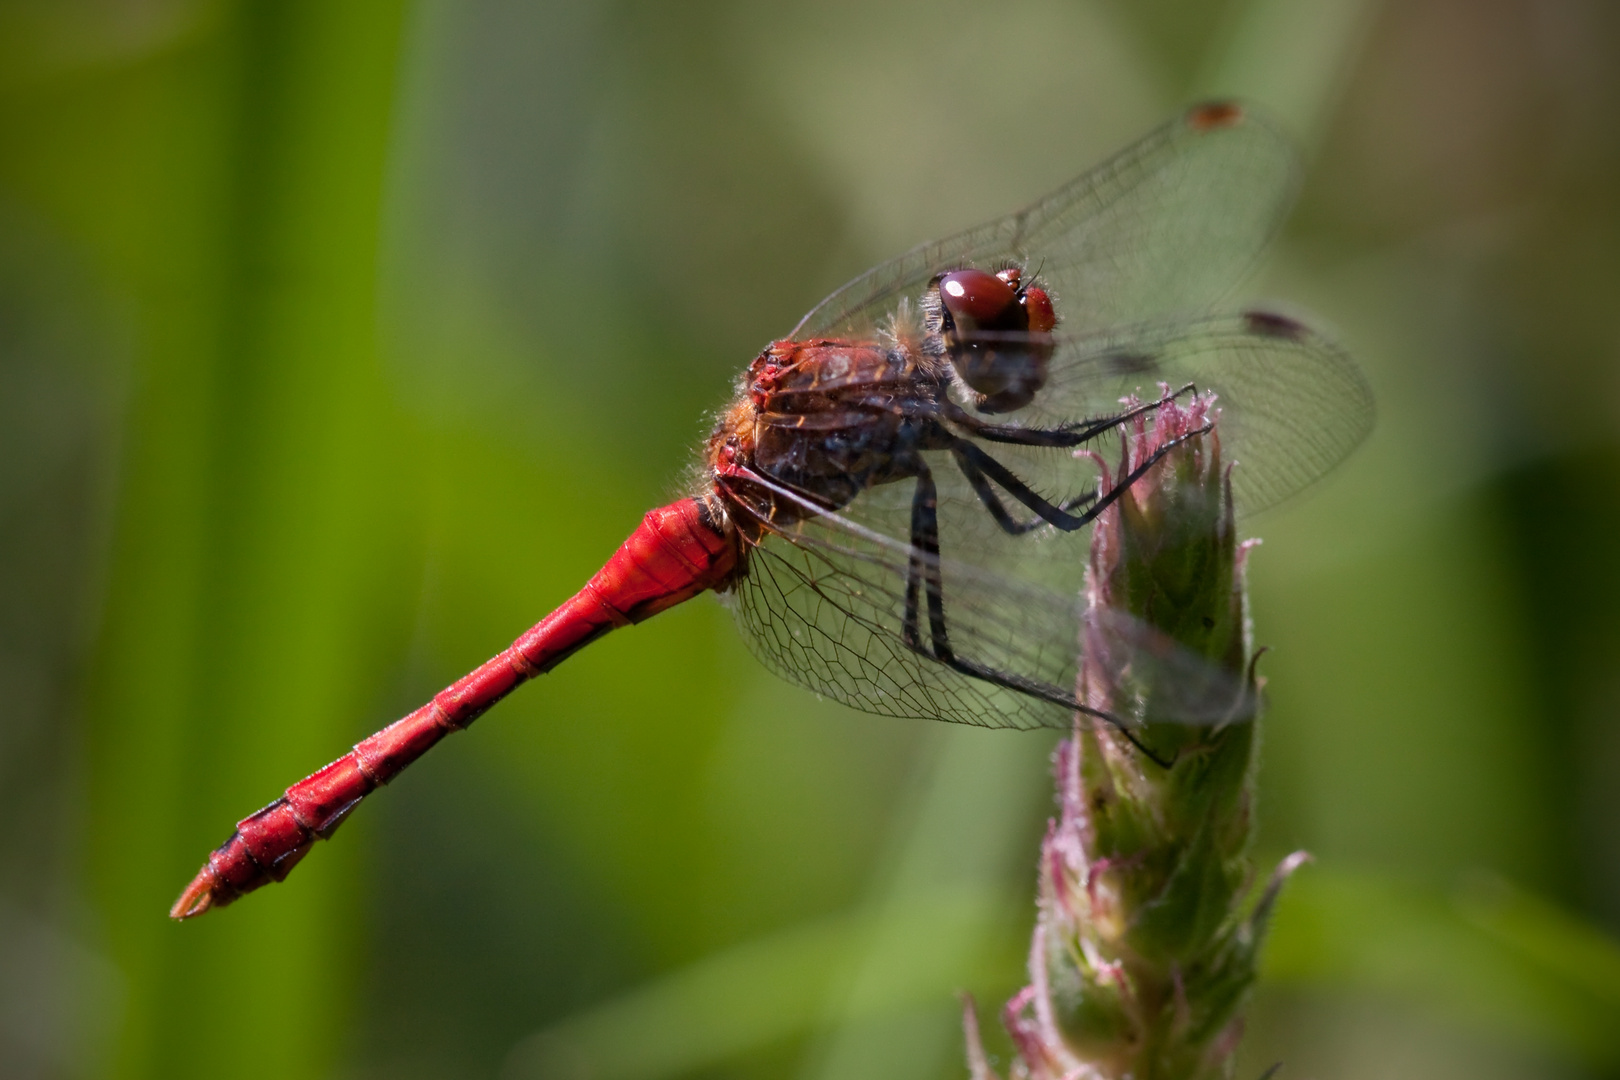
1068, 435
923, 577
1047, 692
1108, 423
923, 573
992, 502
977, 464
969, 456
926, 539
1141, 470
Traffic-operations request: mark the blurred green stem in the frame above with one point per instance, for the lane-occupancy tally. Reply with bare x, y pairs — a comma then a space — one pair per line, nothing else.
260, 534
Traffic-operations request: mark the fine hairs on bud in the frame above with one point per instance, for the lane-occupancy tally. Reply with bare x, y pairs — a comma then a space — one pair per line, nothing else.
1147, 934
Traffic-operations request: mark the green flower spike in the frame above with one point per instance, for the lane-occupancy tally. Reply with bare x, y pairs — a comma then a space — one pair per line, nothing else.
1144, 948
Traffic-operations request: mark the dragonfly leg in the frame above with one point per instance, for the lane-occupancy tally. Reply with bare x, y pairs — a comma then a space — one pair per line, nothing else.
922, 573
975, 474
1074, 434
924, 583
979, 468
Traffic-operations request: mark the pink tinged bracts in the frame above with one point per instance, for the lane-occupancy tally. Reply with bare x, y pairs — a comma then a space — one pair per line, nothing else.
676, 553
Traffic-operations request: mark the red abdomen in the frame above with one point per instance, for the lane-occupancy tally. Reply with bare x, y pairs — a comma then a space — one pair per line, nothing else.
676, 553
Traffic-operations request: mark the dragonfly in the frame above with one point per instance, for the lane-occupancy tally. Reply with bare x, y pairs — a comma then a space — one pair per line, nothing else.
894, 503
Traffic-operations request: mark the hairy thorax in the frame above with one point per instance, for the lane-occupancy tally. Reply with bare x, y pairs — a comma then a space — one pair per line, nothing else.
828, 418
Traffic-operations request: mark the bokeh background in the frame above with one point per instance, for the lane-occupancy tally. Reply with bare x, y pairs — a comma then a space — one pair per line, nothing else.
340, 341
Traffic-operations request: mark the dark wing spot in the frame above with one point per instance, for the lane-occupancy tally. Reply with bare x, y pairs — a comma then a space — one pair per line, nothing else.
1272, 324
1132, 363
1214, 115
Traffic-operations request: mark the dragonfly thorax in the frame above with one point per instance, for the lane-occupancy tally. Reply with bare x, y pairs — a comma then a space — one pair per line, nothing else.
827, 419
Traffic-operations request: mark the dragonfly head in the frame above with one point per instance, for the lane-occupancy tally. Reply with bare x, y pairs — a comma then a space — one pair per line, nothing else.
996, 331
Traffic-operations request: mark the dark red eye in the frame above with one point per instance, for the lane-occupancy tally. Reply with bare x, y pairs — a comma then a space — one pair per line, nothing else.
1041, 316
976, 299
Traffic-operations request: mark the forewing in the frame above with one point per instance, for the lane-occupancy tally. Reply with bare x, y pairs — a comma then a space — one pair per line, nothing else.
1172, 223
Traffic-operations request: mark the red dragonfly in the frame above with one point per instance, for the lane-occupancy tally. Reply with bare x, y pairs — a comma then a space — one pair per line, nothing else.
894, 501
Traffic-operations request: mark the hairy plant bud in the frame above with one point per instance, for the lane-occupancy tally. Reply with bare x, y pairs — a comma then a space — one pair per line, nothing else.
1146, 946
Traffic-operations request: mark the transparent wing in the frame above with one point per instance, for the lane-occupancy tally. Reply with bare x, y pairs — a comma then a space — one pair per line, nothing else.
826, 615
1292, 401
824, 603
1170, 224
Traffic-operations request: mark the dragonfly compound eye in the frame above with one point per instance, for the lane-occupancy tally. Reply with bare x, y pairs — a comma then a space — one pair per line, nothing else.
1038, 305
980, 301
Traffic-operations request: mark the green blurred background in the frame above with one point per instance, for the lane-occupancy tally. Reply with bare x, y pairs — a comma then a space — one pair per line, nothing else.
340, 341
